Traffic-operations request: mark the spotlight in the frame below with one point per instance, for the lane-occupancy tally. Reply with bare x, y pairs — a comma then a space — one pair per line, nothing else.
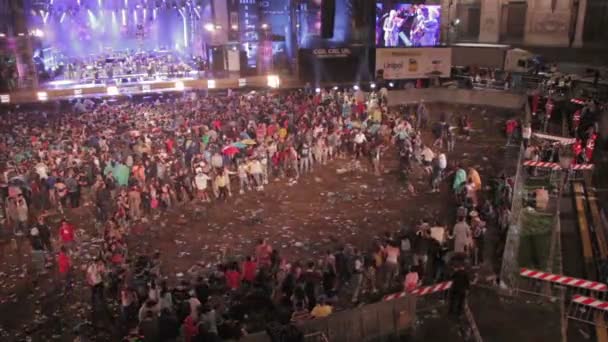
391, 84
5, 98
373, 85
356, 87
2, 35
264, 26
273, 81
42, 96
210, 27
112, 91
234, 27
37, 33
179, 85
211, 84
335, 87
317, 90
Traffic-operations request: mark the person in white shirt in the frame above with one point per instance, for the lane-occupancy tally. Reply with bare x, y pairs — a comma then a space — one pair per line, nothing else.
200, 184
42, 170
255, 168
427, 155
359, 140
526, 134
243, 173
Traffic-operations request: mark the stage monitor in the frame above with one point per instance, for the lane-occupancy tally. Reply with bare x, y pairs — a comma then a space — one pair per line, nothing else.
407, 25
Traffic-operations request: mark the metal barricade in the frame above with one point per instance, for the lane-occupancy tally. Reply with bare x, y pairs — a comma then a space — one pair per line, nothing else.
548, 285
508, 271
369, 322
587, 309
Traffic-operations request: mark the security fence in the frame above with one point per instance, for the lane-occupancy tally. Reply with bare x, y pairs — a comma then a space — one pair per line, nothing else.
373, 322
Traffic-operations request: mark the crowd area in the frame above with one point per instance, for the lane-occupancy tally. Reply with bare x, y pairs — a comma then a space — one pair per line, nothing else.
131, 162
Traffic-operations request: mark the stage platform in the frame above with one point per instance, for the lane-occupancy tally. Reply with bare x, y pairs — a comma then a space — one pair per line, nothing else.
73, 90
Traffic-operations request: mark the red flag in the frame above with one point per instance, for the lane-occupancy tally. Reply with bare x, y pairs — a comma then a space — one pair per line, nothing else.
535, 100
577, 148
590, 147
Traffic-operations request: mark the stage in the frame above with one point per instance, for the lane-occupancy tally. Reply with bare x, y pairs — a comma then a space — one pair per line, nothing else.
74, 90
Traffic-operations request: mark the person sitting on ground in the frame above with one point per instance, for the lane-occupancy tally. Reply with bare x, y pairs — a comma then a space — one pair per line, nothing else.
322, 309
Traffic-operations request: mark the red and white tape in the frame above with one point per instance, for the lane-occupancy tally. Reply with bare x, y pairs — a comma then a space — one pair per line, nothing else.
592, 302
555, 166
564, 280
561, 140
545, 165
582, 167
421, 291
578, 101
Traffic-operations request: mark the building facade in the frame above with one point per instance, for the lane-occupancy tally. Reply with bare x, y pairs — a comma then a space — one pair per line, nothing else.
556, 23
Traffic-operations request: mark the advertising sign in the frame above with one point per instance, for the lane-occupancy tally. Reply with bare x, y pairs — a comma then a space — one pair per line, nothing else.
341, 64
408, 63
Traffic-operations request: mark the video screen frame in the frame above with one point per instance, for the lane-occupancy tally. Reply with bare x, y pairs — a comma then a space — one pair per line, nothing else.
407, 25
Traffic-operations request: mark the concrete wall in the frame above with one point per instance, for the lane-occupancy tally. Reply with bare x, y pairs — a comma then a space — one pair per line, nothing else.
548, 23
460, 96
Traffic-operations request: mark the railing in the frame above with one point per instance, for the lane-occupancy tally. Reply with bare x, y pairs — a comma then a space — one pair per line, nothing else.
369, 322
508, 272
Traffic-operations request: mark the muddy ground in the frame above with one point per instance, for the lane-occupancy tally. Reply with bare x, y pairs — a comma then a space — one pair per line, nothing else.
321, 211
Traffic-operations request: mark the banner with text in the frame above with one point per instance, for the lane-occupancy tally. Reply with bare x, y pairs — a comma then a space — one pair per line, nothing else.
407, 63
335, 65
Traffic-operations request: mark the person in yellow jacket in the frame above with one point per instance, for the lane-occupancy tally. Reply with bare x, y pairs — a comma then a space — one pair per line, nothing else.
474, 175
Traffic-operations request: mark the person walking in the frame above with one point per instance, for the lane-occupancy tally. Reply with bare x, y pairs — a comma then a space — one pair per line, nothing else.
64, 268
357, 277
391, 264
459, 290
38, 260
94, 275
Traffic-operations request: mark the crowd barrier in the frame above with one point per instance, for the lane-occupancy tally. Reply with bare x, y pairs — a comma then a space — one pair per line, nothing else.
498, 99
368, 322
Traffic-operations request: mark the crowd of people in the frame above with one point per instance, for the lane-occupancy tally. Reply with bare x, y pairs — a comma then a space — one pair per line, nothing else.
133, 161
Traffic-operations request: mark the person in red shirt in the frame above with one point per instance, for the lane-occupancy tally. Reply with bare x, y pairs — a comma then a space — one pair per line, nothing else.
510, 129
189, 328
66, 232
64, 265
233, 277
250, 268
169, 145
262, 253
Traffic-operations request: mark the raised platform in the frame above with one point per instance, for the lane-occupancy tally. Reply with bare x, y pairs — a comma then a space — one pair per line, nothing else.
73, 90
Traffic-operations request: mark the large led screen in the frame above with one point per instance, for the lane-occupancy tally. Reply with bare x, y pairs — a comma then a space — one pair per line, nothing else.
407, 25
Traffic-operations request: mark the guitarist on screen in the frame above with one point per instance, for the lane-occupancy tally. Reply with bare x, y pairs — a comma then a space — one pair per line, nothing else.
424, 30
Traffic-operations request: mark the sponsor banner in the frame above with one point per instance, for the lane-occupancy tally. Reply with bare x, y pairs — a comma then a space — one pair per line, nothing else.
332, 53
410, 63
341, 64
